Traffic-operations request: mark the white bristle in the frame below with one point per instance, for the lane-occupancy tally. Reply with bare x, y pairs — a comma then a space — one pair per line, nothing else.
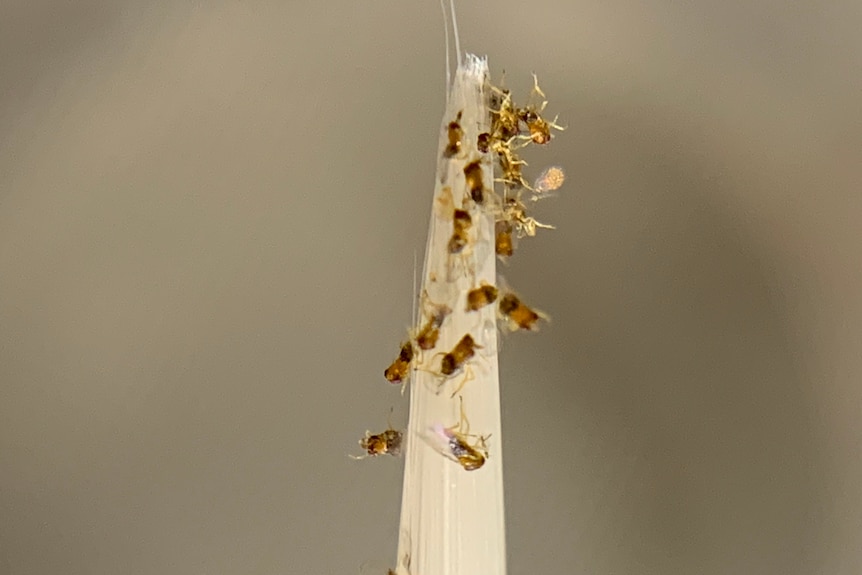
452, 520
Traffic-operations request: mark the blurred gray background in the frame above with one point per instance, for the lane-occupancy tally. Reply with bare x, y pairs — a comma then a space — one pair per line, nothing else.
208, 218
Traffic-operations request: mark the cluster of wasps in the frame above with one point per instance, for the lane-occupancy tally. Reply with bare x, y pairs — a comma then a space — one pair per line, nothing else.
512, 128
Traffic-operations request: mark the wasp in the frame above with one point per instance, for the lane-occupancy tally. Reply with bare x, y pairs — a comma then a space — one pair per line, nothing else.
518, 315
458, 244
461, 224
475, 185
539, 129
481, 296
510, 163
399, 371
454, 443
515, 214
454, 133
455, 359
504, 119
483, 142
387, 442
427, 337
504, 245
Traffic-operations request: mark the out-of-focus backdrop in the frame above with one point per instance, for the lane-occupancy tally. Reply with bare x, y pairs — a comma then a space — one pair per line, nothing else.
208, 220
